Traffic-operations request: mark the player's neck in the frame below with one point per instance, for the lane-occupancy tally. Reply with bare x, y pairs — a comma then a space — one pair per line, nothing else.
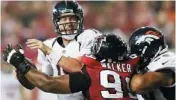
65, 42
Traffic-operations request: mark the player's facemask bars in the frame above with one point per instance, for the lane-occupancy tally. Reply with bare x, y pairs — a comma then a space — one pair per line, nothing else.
68, 28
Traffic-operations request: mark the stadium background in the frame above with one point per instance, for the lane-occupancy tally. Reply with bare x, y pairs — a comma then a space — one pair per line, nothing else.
21, 20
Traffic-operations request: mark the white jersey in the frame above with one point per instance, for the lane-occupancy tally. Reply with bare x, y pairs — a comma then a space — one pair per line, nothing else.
78, 47
10, 87
165, 61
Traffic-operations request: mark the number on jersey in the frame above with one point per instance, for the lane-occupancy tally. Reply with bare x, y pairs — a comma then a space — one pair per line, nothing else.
117, 85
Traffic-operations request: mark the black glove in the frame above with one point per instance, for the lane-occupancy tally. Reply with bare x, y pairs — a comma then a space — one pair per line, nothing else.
16, 58
12, 56
22, 65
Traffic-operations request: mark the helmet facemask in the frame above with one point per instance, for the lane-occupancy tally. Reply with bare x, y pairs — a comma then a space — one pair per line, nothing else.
69, 29
62, 27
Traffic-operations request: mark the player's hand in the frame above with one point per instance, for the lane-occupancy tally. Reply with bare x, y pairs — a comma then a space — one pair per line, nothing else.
13, 56
37, 44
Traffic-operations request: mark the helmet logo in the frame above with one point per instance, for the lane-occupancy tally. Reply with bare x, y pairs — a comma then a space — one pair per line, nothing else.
102, 39
148, 38
153, 33
67, 11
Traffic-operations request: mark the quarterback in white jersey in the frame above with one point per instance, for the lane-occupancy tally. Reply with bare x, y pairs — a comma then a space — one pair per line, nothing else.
75, 48
73, 41
155, 74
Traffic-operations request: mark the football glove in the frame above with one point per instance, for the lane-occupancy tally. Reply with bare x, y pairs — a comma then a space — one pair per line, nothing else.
16, 58
22, 65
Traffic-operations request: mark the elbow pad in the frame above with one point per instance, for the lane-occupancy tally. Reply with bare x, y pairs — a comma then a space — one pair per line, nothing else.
79, 82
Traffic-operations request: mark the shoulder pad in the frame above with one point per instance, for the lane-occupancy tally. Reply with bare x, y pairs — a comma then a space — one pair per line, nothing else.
165, 61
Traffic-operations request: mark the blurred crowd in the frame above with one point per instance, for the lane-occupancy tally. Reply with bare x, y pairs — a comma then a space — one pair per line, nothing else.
21, 20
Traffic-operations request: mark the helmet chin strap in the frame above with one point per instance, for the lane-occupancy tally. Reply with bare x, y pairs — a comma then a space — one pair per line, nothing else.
69, 37
160, 51
164, 50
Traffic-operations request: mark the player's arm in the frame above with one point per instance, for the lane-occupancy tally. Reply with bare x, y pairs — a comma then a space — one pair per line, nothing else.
48, 83
70, 83
74, 64
67, 63
142, 83
70, 64
64, 84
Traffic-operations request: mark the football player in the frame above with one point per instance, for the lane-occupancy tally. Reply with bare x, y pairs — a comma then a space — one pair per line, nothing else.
72, 41
103, 74
155, 77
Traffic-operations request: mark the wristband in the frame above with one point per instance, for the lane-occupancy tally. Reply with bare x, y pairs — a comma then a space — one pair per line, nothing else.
23, 68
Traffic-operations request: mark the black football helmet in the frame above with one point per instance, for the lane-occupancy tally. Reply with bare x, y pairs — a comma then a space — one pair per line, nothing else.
68, 8
109, 47
147, 43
